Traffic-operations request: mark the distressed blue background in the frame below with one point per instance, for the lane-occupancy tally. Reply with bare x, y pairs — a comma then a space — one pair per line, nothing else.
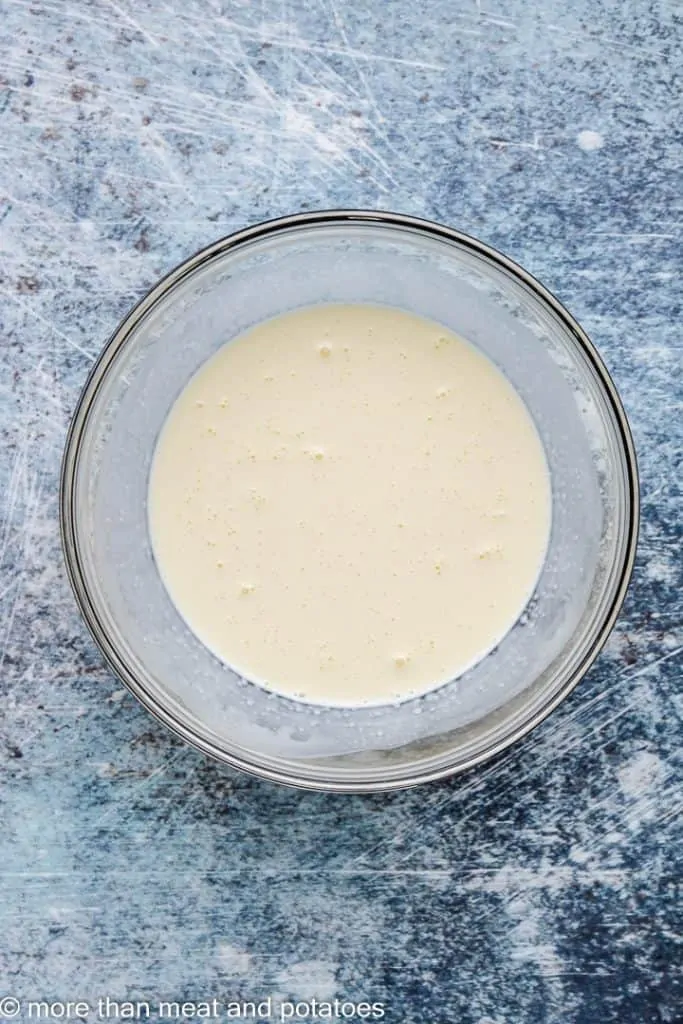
544, 888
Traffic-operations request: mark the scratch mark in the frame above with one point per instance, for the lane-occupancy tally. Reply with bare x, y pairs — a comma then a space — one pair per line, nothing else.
130, 20
491, 20
631, 236
417, 821
605, 41
139, 787
507, 144
339, 25
72, 344
107, 89
302, 44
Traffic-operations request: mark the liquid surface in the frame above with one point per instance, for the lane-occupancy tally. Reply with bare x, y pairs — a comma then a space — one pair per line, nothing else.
349, 504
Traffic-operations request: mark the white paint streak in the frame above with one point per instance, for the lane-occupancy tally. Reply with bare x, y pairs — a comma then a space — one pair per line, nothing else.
589, 141
310, 979
643, 774
233, 961
659, 570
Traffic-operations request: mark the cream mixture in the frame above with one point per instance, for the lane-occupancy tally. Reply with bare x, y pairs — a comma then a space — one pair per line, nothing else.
349, 504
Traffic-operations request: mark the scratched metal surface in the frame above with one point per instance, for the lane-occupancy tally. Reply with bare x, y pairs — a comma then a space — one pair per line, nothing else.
544, 888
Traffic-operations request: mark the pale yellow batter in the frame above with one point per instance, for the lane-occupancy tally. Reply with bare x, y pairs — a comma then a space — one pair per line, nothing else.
349, 504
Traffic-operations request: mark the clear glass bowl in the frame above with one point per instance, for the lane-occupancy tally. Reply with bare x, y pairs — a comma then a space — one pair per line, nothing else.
349, 256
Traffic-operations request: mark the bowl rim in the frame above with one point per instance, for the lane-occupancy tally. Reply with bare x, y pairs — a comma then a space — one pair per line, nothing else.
78, 426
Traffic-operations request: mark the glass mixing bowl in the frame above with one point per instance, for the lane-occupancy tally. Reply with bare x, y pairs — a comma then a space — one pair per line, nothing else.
349, 256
